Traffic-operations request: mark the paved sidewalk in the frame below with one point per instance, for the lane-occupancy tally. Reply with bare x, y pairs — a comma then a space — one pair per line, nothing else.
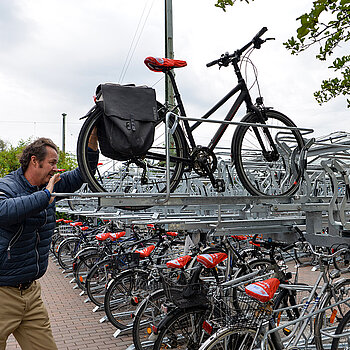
74, 325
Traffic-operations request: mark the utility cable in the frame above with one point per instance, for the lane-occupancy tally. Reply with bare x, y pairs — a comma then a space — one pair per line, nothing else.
133, 46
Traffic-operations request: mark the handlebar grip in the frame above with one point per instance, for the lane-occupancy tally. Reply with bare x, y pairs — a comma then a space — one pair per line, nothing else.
213, 63
260, 33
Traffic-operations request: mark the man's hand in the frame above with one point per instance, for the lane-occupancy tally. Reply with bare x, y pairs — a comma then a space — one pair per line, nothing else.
54, 179
93, 139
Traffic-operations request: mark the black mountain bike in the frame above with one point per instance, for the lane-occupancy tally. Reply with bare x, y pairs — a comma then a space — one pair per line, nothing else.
266, 158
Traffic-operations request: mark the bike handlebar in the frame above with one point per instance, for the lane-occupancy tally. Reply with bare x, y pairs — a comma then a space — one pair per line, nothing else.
322, 255
256, 41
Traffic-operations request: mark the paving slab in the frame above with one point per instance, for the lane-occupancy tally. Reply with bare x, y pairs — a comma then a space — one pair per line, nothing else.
73, 323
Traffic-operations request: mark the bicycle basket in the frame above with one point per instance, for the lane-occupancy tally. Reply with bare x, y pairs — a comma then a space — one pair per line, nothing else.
185, 295
66, 230
241, 311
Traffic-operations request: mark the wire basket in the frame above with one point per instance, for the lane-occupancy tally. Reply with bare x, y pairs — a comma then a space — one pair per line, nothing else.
66, 230
240, 311
185, 295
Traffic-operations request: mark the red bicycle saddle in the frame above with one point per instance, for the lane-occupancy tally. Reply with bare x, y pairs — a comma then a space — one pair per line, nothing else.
172, 234
263, 290
163, 64
145, 252
102, 236
179, 263
211, 260
76, 223
116, 235
240, 237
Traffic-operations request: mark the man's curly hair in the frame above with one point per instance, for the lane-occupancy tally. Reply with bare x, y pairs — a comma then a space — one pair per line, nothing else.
36, 148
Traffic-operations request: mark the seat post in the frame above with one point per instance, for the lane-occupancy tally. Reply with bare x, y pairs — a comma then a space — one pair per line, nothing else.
181, 107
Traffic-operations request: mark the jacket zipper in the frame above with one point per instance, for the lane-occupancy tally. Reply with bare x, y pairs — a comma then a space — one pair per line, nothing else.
37, 252
36, 246
13, 241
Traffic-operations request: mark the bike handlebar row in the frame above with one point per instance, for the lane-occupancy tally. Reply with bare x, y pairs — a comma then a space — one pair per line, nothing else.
256, 41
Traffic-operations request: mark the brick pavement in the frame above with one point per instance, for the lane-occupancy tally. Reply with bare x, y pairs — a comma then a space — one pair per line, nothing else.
74, 325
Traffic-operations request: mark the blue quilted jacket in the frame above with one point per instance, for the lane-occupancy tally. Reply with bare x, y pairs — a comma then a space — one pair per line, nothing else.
27, 222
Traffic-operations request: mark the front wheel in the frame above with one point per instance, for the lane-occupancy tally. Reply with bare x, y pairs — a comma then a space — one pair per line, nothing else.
266, 159
342, 342
146, 174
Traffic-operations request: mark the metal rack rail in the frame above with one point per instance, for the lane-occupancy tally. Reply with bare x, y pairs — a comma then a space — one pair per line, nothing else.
321, 207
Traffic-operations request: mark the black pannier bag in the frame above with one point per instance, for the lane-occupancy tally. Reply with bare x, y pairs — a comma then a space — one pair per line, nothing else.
126, 129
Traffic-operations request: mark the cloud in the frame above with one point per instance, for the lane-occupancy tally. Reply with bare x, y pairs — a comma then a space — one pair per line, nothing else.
57, 51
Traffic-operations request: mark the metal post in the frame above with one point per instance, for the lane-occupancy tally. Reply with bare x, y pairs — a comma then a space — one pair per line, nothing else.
64, 133
169, 50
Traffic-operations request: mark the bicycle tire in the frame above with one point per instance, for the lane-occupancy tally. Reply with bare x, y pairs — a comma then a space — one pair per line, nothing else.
123, 295
235, 338
182, 329
148, 314
83, 267
128, 176
344, 324
97, 280
55, 244
262, 177
67, 251
285, 299
324, 319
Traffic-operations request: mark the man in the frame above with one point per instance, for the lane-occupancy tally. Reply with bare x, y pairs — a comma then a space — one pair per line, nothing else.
27, 222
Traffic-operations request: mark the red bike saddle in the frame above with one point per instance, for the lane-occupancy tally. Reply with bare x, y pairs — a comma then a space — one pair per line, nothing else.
239, 237
179, 263
172, 234
102, 236
145, 252
76, 223
211, 260
263, 290
84, 228
116, 235
163, 64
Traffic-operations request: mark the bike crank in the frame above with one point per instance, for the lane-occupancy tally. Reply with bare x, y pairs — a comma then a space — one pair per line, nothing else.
204, 163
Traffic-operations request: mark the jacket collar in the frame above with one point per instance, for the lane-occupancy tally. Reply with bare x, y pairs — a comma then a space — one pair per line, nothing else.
25, 183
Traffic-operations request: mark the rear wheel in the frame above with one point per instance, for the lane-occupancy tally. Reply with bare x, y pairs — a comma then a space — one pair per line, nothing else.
123, 296
265, 171
67, 251
182, 329
83, 267
235, 339
148, 314
145, 174
97, 280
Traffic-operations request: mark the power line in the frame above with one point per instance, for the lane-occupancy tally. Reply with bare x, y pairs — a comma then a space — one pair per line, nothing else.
34, 122
128, 59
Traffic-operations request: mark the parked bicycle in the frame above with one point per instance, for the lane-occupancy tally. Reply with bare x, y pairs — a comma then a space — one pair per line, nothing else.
264, 148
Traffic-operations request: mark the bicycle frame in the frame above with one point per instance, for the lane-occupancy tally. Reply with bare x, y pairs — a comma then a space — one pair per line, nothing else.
305, 318
243, 97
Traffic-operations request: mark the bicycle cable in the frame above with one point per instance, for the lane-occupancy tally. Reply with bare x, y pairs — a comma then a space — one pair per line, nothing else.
246, 59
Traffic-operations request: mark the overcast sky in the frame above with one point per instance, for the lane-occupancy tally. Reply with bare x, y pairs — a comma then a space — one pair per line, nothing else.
55, 52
